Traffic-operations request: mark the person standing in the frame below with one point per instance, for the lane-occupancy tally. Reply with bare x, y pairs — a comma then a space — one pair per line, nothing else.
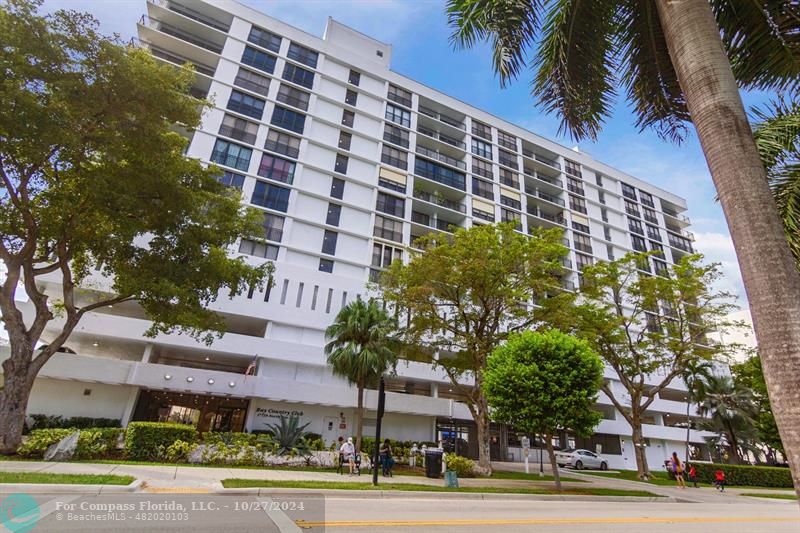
385, 454
677, 469
693, 475
348, 453
719, 480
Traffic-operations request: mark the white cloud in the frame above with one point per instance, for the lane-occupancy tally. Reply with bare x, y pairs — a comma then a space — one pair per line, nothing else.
718, 248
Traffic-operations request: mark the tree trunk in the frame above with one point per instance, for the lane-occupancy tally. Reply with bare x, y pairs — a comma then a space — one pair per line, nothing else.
553, 464
640, 451
360, 418
482, 421
14, 396
768, 269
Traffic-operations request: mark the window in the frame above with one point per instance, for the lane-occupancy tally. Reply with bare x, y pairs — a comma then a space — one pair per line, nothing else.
341, 164
298, 75
395, 135
258, 59
635, 226
582, 261
247, 79
506, 140
273, 227
482, 188
288, 119
350, 97
572, 168
264, 39
239, 129
601, 197
649, 215
282, 143
582, 242
246, 104
258, 249
231, 155
598, 179
506, 215
348, 118
510, 202
607, 232
574, 185
270, 196
391, 185
638, 243
334, 214
231, 179
354, 77
481, 148
657, 247
632, 208
481, 130
508, 159
388, 229
400, 96
383, 255
509, 178
276, 168
329, 242
604, 214
344, 140
326, 265
293, 97
653, 233
484, 215
646, 198
337, 188
436, 172
581, 227
391, 205
577, 203
660, 267
610, 252
398, 115
628, 191
482, 168
303, 55
393, 156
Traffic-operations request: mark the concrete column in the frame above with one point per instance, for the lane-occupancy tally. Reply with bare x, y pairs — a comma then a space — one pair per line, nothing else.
251, 412
148, 351
434, 390
130, 405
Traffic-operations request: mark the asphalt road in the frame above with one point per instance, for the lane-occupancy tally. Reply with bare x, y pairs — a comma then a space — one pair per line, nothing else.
201, 513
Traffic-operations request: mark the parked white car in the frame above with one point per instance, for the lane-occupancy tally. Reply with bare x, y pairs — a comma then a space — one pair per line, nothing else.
580, 459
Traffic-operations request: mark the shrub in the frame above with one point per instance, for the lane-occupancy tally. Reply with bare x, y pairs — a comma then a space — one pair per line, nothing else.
178, 451
96, 442
229, 438
41, 421
746, 475
40, 439
462, 466
146, 441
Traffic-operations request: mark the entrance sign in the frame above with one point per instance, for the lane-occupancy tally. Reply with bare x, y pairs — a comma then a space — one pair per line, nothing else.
526, 450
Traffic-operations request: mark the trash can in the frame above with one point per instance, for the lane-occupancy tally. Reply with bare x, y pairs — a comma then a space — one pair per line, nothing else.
451, 479
433, 463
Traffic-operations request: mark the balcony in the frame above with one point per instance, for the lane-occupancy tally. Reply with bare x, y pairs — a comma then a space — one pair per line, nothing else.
192, 14
440, 201
533, 210
433, 134
179, 60
180, 33
552, 181
438, 156
544, 196
439, 174
441, 117
431, 222
552, 163
680, 243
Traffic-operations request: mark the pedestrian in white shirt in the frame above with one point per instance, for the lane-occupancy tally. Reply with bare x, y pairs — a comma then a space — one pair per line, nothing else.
348, 453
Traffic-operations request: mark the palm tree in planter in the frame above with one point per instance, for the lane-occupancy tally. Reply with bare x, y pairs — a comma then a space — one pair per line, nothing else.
677, 61
360, 349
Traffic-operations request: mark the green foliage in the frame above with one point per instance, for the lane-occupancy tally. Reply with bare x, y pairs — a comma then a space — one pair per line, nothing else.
229, 438
178, 451
289, 436
731, 413
147, 441
462, 466
80, 422
401, 449
94, 443
750, 376
40, 439
745, 475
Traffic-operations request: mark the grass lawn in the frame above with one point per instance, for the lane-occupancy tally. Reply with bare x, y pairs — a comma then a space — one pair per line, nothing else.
354, 485
769, 495
533, 476
660, 478
69, 479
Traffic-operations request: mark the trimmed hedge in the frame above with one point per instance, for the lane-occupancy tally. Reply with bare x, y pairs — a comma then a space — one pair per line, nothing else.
147, 441
92, 442
746, 475
39, 440
40, 421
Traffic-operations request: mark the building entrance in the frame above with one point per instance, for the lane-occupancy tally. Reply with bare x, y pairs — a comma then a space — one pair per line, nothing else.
207, 413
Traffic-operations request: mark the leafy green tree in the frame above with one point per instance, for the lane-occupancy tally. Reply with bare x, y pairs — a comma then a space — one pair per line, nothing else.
731, 413
748, 375
361, 348
544, 383
650, 329
675, 61
97, 196
464, 294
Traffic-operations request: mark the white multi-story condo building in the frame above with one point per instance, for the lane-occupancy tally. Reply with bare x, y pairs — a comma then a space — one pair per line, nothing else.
349, 162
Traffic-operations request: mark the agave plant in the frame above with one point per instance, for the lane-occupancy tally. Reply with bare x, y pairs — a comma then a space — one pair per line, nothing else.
289, 436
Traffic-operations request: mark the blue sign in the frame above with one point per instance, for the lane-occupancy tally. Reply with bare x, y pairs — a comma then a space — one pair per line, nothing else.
19, 512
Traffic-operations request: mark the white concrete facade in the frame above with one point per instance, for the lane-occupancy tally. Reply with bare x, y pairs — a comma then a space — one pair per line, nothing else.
411, 160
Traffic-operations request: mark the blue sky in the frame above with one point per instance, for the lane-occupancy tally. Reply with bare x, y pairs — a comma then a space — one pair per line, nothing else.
419, 34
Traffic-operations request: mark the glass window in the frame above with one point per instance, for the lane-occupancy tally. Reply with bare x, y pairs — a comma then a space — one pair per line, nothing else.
329, 242
657, 247
293, 97
400, 96
577, 204
582, 261
510, 202
508, 159
273, 227
572, 168
334, 214
391, 205
601, 197
239, 129
350, 97
398, 115
506, 140
638, 243
344, 140
481, 130
632, 208
246, 104
481, 148
439, 173
231, 155
288, 119
258, 249
326, 265
482, 168
354, 77
348, 118
247, 79
635, 226
389, 229
660, 267
507, 215
276, 168
649, 215
509, 178
258, 59
628, 191
653, 233
582, 242
482, 188
383, 255
393, 156
265, 39
598, 179
298, 75
646, 199
575, 185
282, 143
340, 165
337, 188
581, 227
395, 135
231, 179
270, 196
303, 55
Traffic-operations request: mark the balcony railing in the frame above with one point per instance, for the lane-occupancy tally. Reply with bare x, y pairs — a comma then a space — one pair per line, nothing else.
545, 196
534, 210
192, 14
438, 200
441, 117
441, 157
433, 134
674, 214
535, 175
542, 159
178, 33
180, 60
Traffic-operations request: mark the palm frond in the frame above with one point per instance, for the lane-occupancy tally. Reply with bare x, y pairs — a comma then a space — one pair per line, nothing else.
762, 40
576, 63
647, 71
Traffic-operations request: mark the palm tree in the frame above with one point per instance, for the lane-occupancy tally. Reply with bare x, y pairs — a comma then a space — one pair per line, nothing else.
731, 413
677, 61
359, 349
696, 373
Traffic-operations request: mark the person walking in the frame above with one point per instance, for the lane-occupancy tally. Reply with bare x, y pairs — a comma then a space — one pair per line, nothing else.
677, 469
348, 453
693, 475
719, 480
385, 453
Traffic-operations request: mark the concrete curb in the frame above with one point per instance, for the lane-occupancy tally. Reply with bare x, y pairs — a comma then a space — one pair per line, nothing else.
64, 488
416, 495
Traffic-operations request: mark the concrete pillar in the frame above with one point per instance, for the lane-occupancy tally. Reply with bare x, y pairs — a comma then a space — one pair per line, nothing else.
434, 390
130, 405
148, 351
251, 412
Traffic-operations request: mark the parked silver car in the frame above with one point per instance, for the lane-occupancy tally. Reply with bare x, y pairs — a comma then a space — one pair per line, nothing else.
580, 459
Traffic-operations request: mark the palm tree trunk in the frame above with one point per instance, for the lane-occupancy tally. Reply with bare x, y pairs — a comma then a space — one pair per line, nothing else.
360, 418
768, 270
